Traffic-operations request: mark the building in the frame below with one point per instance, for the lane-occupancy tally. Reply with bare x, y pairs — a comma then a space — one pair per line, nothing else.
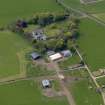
35, 56
46, 83
38, 35
55, 57
50, 52
66, 53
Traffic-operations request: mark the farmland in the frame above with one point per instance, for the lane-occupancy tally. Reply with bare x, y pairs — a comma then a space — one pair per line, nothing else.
27, 93
14, 9
98, 7
92, 43
10, 45
84, 93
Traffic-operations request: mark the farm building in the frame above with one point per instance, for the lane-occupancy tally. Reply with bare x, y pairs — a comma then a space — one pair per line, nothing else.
50, 52
38, 35
56, 56
66, 53
35, 56
46, 83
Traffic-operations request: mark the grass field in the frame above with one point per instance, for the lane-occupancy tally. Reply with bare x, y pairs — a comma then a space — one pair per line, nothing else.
10, 45
84, 95
27, 93
98, 7
100, 16
12, 9
92, 41
101, 81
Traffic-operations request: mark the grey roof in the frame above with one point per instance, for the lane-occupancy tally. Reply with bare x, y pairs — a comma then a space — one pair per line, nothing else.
50, 52
66, 53
35, 55
45, 83
39, 35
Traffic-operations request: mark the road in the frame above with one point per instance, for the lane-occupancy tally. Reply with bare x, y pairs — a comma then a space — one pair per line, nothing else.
84, 14
62, 83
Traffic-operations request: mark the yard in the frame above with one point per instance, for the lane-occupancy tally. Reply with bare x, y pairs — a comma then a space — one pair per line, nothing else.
91, 42
27, 93
84, 93
12, 9
10, 47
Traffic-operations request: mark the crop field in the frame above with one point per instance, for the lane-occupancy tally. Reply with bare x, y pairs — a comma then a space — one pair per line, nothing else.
10, 45
91, 42
84, 93
27, 93
98, 7
12, 9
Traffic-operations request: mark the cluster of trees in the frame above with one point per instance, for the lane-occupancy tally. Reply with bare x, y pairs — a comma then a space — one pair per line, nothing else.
41, 19
44, 19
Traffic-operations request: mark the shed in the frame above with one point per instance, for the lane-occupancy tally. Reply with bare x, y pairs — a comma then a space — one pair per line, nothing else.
35, 55
56, 56
66, 53
46, 83
50, 52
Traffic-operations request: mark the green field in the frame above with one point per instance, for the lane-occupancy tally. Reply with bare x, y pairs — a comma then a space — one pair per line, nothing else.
27, 93
10, 46
101, 81
98, 7
84, 95
12, 9
100, 16
92, 41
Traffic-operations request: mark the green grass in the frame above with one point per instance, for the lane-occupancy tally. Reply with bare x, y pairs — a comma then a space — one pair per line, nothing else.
27, 93
36, 71
69, 61
84, 95
98, 7
100, 16
91, 42
10, 45
101, 81
12, 9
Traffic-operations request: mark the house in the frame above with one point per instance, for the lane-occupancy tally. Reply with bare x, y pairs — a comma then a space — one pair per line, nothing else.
35, 56
50, 52
39, 35
55, 57
46, 83
66, 53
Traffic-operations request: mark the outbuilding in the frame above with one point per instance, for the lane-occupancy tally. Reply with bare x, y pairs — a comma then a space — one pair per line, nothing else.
46, 83
55, 57
35, 56
66, 53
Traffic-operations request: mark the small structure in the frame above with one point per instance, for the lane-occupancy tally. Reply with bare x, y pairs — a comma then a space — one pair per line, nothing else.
55, 57
66, 53
35, 56
38, 35
46, 83
50, 52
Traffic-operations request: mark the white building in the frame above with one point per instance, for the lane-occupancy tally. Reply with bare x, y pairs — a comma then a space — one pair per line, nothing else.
56, 56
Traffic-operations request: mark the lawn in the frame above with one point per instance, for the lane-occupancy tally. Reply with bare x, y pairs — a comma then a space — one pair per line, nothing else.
84, 93
10, 46
12, 9
69, 62
27, 93
91, 42
98, 7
